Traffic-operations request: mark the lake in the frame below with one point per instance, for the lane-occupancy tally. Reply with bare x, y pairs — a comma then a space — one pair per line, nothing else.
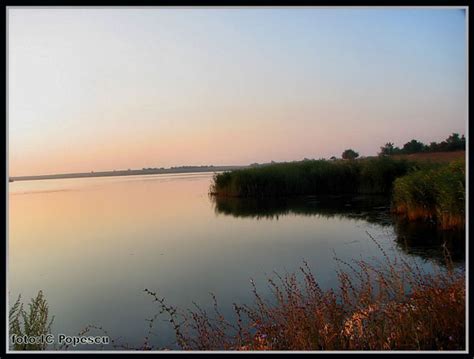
94, 244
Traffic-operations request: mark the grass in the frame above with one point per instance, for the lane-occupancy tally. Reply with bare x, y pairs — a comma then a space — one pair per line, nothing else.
391, 306
436, 194
311, 177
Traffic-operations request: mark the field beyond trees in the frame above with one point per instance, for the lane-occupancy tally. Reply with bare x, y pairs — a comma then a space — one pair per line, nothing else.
439, 157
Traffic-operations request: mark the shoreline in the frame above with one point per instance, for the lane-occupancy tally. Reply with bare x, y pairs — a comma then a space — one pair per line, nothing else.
124, 173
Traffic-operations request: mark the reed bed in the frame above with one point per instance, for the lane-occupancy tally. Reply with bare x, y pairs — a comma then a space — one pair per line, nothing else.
312, 177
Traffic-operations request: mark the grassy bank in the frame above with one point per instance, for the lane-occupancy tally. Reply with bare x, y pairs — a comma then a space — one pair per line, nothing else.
312, 177
436, 194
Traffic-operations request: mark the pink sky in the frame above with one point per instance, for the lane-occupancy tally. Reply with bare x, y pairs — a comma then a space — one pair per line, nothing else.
103, 89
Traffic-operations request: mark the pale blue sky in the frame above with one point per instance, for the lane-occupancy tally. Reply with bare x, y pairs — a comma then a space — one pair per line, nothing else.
98, 89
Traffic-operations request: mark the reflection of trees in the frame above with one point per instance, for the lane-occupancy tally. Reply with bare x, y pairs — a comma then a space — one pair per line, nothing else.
414, 238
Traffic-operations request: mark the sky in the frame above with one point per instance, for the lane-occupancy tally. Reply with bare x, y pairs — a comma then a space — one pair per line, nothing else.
93, 89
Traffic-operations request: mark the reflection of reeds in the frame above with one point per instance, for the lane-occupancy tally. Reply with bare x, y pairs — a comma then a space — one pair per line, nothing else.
421, 238
395, 306
425, 240
371, 208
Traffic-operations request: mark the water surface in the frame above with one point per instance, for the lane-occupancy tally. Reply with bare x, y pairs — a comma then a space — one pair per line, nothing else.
93, 245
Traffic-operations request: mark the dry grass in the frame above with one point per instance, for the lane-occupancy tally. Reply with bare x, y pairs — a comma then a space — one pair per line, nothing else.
390, 306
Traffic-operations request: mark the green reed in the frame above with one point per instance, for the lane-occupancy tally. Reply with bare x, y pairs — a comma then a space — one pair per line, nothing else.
311, 177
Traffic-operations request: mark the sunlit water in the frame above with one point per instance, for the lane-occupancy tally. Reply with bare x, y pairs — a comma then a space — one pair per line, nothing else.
93, 245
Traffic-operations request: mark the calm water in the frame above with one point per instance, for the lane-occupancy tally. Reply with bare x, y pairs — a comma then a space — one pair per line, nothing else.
93, 245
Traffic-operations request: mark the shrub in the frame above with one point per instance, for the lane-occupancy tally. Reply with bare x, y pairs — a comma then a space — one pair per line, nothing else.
33, 323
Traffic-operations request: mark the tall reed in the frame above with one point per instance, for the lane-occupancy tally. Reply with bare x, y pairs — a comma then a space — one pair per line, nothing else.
310, 177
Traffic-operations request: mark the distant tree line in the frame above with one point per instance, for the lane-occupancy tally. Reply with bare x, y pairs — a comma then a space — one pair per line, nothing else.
452, 143
175, 167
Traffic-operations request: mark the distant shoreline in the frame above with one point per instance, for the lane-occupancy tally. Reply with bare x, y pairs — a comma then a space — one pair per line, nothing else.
153, 171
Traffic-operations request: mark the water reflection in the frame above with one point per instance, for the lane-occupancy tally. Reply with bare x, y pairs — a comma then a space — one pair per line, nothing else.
426, 241
414, 238
93, 245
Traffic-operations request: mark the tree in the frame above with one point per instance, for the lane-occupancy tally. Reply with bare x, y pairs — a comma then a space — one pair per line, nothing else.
397, 151
387, 149
413, 146
454, 142
349, 154
433, 147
